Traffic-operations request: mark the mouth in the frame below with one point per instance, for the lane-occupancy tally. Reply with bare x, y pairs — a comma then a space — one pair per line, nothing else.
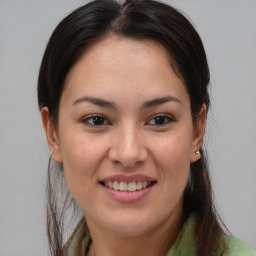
128, 188
131, 186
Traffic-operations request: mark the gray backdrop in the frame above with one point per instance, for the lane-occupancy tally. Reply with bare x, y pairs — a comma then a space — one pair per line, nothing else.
228, 29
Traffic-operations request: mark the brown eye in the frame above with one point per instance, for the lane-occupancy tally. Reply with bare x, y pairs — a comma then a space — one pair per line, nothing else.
160, 120
95, 120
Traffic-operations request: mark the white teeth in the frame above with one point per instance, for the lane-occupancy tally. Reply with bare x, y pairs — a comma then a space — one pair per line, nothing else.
132, 186
124, 186
139, 185
115, 185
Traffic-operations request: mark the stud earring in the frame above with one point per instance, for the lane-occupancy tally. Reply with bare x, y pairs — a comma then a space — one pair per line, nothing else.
198, 153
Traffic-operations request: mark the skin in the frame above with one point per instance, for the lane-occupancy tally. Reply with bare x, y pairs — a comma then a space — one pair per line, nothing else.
129, 141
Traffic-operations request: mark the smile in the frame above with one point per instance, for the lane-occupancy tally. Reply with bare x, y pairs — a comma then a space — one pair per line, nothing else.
127, 186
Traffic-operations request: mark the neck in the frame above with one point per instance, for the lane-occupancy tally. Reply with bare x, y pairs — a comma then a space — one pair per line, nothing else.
154, 242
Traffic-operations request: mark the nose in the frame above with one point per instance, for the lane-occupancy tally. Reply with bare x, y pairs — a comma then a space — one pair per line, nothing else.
127, 147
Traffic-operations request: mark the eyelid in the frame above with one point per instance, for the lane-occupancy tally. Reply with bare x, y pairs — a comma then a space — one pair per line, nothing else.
88, 117
170, 119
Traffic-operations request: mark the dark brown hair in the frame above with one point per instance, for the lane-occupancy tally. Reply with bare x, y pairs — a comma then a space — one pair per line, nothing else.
138, 19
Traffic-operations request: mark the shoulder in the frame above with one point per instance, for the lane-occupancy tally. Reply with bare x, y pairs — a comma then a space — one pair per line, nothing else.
236, 247
185, 244
79, 241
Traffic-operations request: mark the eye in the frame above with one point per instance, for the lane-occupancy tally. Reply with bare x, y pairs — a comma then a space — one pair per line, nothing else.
95, 120
160, 120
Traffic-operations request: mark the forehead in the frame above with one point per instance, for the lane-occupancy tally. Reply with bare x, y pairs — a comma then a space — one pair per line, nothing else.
119, 46
123, 65
116, 50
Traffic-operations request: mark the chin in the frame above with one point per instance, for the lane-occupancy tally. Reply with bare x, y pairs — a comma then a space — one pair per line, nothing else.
131, 224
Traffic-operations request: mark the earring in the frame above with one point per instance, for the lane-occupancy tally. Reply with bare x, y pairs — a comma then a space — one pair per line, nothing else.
198, 153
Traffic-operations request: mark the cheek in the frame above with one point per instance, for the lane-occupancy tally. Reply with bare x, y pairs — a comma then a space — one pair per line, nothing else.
82, 156
172, 156
173, 166
81, 151
174, 150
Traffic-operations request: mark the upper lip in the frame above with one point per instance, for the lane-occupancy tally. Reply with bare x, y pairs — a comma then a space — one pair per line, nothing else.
128, 178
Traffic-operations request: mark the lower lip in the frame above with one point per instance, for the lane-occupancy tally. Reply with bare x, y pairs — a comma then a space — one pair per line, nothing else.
126, 196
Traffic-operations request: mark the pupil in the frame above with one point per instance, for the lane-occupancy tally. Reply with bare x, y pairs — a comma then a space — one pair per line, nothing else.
98, 120
160, 120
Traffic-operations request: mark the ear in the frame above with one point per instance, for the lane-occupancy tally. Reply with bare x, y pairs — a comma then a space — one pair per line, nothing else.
51, 135
198, 133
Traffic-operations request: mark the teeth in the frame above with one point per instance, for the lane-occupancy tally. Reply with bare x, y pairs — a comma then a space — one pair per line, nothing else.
131, 186
115, 185
139, 185
124, 186
110, 184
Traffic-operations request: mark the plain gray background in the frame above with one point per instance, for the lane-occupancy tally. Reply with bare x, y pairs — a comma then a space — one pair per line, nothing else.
228, 30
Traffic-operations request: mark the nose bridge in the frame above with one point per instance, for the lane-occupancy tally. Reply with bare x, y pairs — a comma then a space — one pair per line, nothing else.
128, 147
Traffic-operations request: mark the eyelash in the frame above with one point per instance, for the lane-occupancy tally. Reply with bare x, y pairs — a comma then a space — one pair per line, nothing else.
163, 118
94, 118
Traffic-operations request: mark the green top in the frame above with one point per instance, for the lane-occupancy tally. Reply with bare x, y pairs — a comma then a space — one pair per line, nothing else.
185, 244
80, 241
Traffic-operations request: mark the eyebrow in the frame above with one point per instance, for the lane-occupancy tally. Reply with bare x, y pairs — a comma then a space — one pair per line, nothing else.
159, 101
97, 101
109, 104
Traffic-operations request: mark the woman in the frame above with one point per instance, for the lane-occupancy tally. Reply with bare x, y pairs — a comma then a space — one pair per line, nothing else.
123, 95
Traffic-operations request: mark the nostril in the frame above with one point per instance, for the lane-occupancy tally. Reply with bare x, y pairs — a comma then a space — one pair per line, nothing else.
127, 160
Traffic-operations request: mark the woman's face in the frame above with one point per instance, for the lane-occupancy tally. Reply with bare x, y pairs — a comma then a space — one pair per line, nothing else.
125, 136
